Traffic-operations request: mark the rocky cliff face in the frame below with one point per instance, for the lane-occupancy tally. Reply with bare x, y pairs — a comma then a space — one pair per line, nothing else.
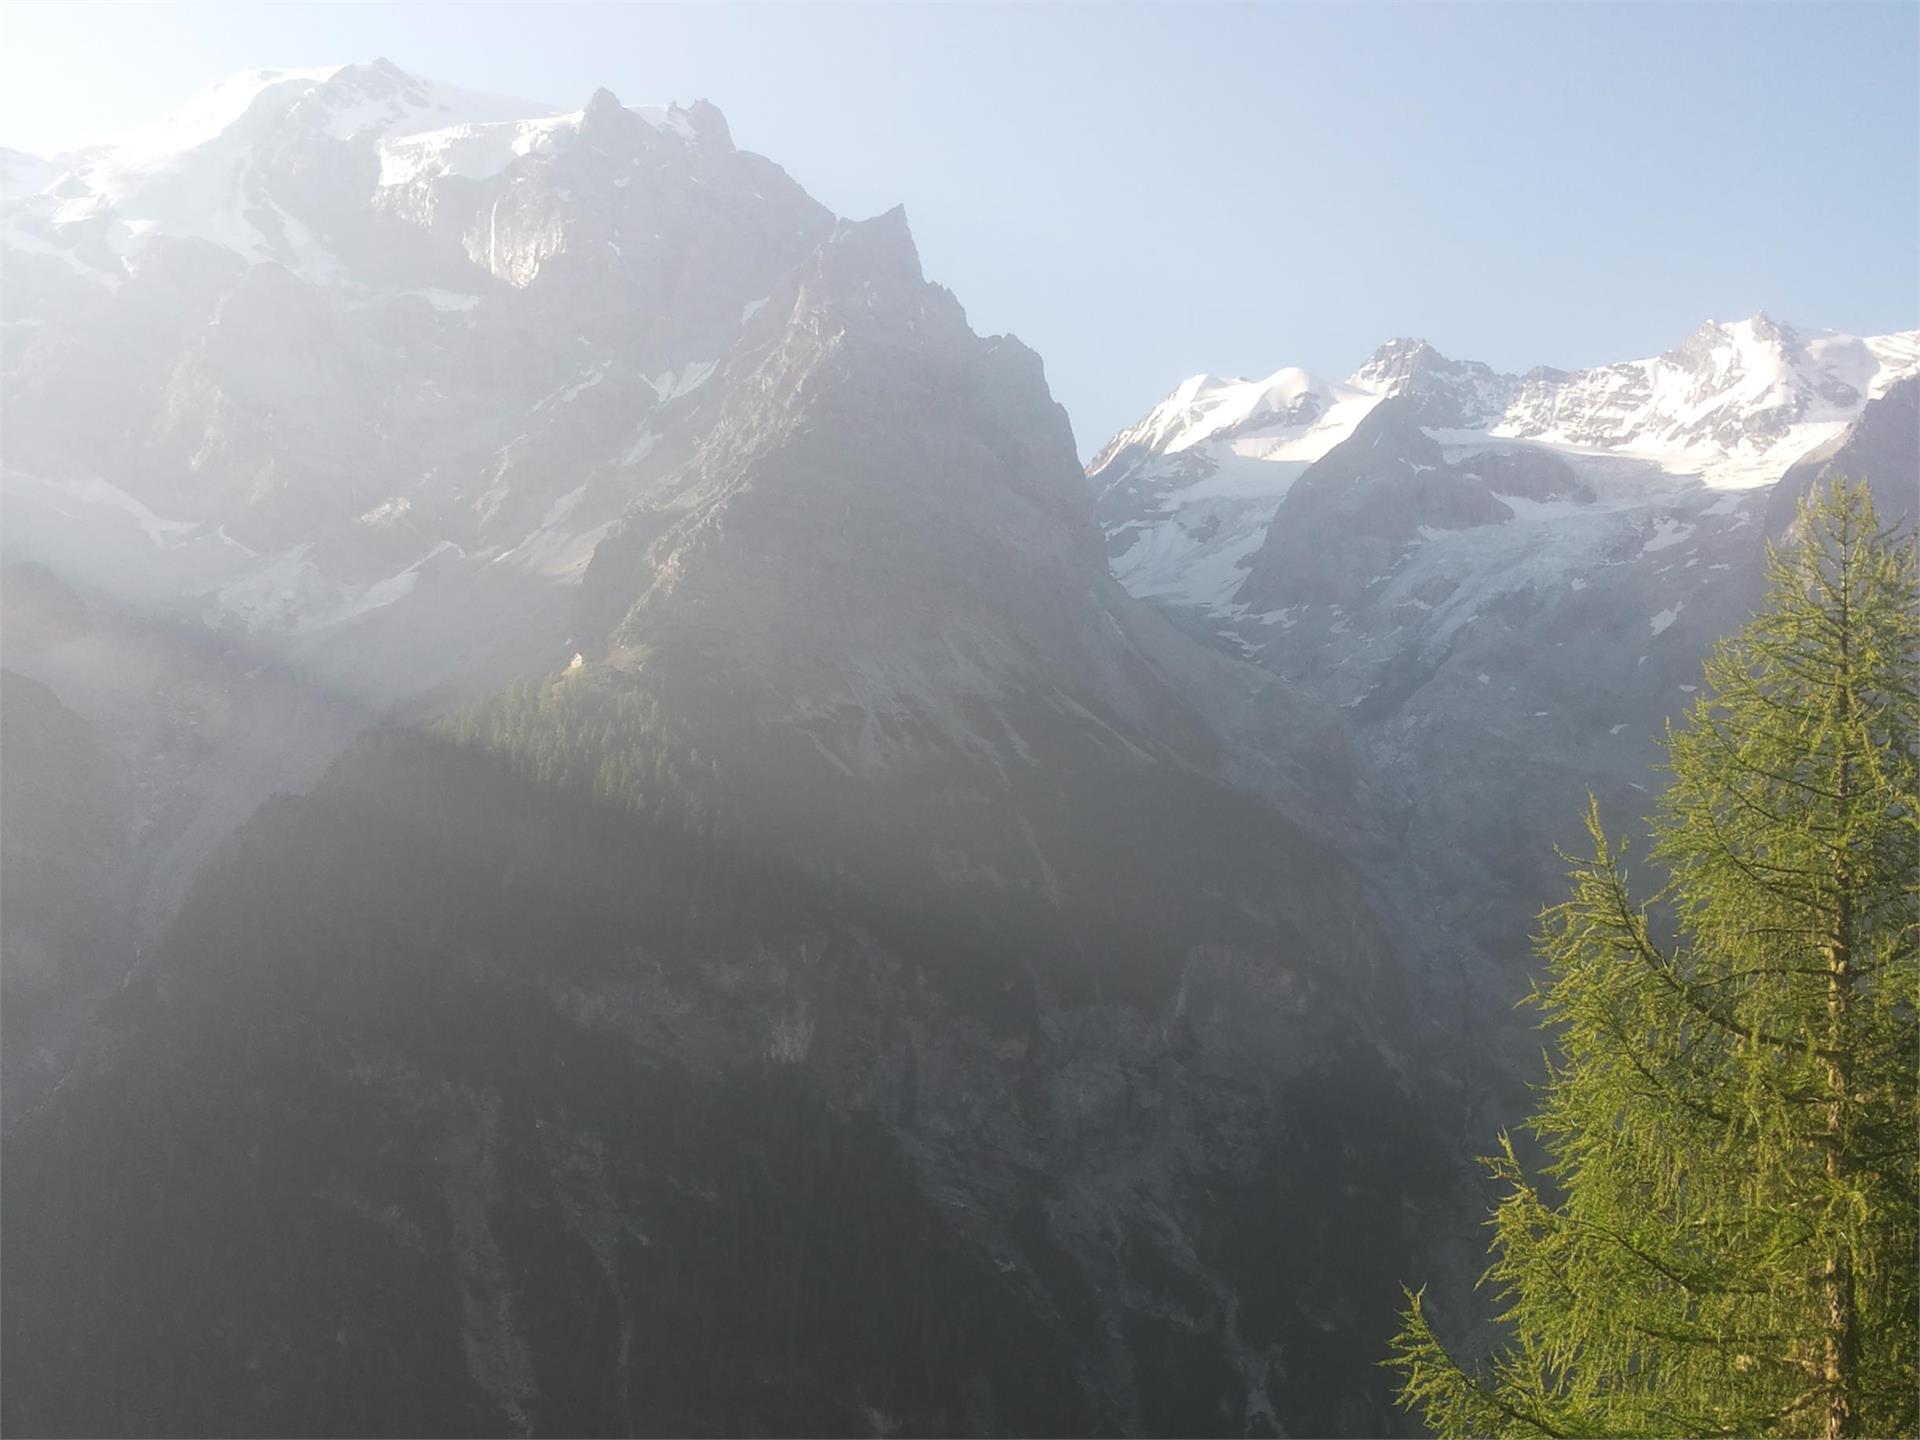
454, 1102
819, 860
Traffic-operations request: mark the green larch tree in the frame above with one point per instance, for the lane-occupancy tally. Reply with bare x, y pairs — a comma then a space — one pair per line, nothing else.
1721, 1237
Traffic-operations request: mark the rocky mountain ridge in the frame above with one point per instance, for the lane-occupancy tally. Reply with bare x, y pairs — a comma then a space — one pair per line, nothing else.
794, 833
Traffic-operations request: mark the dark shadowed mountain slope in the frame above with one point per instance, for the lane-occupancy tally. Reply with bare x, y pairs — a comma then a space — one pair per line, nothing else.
457, 1104
64, 901
133, 748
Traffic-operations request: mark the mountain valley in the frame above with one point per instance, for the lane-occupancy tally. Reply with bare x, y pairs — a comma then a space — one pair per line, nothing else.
606, 832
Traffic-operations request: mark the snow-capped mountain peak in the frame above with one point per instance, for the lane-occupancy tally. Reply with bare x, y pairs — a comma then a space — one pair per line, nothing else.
340, 101
1203, 408
1716, 403
1453, 393
237, 165
24, 174
1398, 359
1186, 494
1735, 402
1206, 407
367, 338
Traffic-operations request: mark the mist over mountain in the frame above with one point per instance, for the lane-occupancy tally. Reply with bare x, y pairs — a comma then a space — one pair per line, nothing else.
605, 832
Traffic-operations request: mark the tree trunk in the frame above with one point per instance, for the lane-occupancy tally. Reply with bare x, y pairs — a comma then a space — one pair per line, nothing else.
1841, 1366
1843, 1329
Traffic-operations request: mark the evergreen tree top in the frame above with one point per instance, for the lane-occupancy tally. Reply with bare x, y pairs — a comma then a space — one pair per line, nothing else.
1722, 1239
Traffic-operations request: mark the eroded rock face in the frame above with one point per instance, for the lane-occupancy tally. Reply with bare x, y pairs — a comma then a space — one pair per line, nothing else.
550, 1117
884, 530
987, 1044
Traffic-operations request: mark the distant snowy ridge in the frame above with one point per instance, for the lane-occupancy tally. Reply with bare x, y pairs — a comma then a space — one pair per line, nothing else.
1723, 402
204, 172
1187, 493
1726, 395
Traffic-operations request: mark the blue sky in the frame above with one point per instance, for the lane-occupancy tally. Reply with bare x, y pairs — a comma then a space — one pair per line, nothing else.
1145, 191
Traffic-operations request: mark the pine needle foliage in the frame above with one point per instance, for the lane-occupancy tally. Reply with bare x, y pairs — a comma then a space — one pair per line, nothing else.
1722, 1237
